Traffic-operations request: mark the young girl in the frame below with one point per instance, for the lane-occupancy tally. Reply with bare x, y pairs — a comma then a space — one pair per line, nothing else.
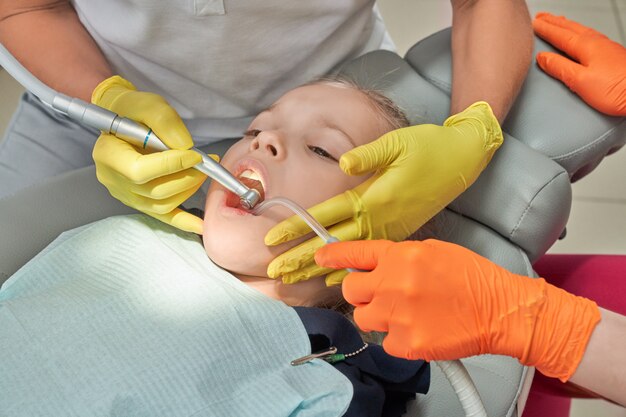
128, 316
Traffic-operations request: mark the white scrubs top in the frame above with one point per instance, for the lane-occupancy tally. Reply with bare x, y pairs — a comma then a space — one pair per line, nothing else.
220, 62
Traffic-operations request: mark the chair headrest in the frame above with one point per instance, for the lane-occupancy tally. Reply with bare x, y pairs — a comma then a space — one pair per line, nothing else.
522, 195
546, 116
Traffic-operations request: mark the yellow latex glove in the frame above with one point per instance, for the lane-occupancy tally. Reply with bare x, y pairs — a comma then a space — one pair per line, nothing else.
155, 183
419, 171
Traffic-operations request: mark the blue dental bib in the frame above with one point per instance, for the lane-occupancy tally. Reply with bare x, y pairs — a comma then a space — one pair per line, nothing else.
129, 317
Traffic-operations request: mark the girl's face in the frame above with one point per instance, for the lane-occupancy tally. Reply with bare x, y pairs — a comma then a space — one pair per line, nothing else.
293, 149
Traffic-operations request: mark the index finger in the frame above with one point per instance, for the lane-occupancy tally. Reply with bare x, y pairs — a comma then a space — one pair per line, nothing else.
561, 38
563, 22
361, 254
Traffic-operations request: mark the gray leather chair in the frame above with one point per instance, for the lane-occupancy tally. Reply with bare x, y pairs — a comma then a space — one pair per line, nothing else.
513, 213
520, 204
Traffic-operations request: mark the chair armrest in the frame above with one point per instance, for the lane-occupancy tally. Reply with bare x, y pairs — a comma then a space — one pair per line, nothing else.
546, 116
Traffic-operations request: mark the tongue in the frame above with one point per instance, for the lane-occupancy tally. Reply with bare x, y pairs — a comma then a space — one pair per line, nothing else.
254, 184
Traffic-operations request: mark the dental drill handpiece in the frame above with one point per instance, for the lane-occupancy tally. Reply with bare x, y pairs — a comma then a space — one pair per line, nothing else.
126, 129
142, 136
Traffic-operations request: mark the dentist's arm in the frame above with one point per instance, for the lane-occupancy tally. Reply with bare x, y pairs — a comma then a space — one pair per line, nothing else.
492, 43
601, 369
47, 37
440, 301
50, 41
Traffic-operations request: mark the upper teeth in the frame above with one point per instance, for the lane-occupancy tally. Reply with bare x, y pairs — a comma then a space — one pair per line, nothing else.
248, 173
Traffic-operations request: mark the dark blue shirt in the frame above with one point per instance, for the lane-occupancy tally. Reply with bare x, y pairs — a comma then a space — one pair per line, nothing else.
383, 384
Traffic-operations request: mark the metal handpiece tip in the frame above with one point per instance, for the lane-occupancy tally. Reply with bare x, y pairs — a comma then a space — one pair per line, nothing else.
250, 199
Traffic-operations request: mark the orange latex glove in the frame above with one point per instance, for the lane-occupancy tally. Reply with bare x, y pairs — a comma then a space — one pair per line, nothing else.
599, 76
440, 301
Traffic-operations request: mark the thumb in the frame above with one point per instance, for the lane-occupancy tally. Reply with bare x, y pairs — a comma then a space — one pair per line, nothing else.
372, 156
361, 254
559, 67
395, 344
157, 114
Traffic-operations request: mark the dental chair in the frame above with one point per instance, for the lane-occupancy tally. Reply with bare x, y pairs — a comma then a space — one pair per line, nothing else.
513, 213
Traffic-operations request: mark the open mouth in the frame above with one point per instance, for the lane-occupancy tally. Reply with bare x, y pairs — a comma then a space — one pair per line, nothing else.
251, 179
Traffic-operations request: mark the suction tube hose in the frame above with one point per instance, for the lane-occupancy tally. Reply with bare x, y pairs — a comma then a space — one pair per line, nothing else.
454, 371
301, 212
464, 387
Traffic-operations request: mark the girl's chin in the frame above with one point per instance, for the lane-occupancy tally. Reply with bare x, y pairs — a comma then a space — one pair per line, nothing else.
240, 262
239, 271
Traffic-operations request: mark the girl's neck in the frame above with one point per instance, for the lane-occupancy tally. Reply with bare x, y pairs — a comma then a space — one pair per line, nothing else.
310, 293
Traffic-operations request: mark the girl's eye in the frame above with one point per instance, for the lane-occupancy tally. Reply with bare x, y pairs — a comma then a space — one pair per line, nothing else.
321, 152
252, 132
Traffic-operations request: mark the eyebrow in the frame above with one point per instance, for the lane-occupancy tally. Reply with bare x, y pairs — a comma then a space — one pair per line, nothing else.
324, 120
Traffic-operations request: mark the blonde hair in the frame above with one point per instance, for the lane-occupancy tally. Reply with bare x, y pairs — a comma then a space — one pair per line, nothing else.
389, 112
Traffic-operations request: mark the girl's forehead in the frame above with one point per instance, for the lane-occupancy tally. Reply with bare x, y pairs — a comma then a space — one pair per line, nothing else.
324, 92
338, 105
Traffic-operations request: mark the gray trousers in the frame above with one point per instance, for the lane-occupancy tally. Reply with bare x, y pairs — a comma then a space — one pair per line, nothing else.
40, 143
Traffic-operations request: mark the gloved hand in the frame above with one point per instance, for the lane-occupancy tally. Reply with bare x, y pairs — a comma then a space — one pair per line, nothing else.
599, 76
419, 170
440, 301
155, 183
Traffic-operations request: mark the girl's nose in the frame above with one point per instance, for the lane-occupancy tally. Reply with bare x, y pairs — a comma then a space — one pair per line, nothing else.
269, 142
